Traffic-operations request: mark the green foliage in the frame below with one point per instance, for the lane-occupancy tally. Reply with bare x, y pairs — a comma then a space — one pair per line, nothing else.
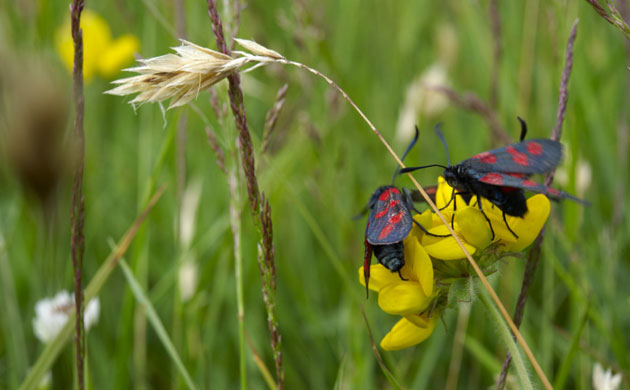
322, 166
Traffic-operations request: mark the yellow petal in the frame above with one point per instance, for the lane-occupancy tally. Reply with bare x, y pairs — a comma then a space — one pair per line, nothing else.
405, 334
445, 248
379, 277
118, 55
425, 219
419, 320
528, 227
473, 227
420, 263
403, 298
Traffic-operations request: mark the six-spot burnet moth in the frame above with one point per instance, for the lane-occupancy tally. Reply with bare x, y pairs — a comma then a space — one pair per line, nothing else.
389, 222
501, 175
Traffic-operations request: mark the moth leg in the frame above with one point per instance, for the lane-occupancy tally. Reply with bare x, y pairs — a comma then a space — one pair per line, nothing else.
486, 217
410, 206
366, 266
426, 231
454, 199
401, 277
450, 200
508, 226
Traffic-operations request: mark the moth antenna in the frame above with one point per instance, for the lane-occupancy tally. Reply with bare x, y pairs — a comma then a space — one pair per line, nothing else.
523, 128
438, 132
411, 169
413, 142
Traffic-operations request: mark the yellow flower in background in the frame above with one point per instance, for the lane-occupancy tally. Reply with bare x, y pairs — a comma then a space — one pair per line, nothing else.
101, 54
408, 298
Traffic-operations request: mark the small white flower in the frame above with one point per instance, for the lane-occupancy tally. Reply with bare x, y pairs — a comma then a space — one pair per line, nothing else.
187, 279
51, 315
605, 380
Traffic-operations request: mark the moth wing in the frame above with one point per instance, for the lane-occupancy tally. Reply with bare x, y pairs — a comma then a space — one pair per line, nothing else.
507, 180
389, 220
527, 157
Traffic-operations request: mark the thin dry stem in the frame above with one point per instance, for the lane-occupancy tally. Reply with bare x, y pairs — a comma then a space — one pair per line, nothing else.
615, 18
259, 207
472, 261
535, 251
77, 212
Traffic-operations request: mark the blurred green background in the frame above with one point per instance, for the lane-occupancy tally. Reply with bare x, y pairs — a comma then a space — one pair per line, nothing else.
322, 166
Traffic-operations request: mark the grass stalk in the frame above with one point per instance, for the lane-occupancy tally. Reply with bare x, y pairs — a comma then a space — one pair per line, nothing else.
470, 259
259, 206
77, 211
235, 223
536, 249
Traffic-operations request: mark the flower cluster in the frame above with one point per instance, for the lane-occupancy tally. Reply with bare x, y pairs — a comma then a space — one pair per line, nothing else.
433, 263
102, 54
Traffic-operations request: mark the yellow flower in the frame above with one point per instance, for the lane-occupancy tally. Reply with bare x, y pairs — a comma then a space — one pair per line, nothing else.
408, 298
407, 332
101, 54
473, 229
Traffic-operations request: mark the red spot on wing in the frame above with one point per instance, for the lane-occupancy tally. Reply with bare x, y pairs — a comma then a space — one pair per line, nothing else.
391, 224
394, 190
486, 157
396, 218
492, 178
384, 195
385, 232
518, 157
534, 148
391, 204
530, 183
553, 191
517, 175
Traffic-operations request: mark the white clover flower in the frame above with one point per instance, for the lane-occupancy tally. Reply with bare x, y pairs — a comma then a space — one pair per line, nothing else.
51, 315
605, 380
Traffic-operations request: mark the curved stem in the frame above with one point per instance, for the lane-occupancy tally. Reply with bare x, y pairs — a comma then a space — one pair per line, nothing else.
472, 261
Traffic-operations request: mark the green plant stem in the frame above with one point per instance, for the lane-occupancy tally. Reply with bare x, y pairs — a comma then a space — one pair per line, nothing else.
504, 331
235, 222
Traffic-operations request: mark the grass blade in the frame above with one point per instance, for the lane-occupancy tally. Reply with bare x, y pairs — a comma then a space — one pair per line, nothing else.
141, 297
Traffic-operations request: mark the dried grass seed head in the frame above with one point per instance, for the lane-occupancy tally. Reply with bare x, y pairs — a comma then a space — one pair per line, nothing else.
182, 75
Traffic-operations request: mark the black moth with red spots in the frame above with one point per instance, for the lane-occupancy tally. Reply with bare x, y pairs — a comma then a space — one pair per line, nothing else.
388, 224
501, 175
